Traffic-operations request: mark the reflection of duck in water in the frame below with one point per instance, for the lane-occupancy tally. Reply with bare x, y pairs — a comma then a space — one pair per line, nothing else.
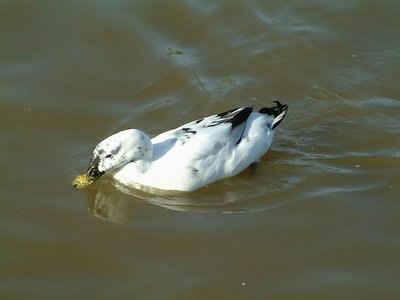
190, 156
118, 205
109, 200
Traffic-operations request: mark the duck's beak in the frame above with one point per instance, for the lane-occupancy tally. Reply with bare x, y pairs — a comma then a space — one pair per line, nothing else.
91, 175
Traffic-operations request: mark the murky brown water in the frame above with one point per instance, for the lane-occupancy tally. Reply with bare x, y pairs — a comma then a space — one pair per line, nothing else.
317, 219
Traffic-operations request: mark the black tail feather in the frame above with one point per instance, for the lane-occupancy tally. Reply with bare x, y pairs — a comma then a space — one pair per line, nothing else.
278, 112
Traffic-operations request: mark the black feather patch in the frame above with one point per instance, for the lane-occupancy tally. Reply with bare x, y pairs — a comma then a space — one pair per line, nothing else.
235, 116
188, 130
184, 134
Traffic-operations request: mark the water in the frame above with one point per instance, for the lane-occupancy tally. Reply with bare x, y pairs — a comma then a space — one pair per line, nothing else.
317, 218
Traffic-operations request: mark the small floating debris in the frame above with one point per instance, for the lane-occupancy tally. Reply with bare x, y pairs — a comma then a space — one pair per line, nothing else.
171, 51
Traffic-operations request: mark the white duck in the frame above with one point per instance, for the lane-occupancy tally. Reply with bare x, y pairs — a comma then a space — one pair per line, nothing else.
190, 156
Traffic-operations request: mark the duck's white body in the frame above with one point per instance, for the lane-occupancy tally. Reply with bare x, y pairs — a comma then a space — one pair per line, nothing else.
192, 155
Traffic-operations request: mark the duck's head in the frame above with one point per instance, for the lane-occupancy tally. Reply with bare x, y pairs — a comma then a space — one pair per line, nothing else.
114, 152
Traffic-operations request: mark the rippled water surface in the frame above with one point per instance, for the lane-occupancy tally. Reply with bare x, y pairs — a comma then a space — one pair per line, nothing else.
317, 218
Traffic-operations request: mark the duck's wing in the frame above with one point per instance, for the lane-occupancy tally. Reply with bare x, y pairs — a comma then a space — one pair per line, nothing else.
234, 117
212, 133
228, 120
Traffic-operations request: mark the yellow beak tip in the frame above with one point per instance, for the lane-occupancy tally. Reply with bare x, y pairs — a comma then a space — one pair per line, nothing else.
82, 181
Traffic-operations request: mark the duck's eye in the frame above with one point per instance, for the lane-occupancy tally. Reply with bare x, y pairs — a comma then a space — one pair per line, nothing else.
108, 155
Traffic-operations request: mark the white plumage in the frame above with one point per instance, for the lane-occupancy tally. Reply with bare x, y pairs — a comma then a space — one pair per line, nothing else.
190, 156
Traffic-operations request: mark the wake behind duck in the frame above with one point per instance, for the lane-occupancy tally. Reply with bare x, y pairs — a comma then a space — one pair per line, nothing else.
190, 156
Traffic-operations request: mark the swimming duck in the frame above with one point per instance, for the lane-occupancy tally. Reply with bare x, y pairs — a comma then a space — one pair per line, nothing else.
190, 156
